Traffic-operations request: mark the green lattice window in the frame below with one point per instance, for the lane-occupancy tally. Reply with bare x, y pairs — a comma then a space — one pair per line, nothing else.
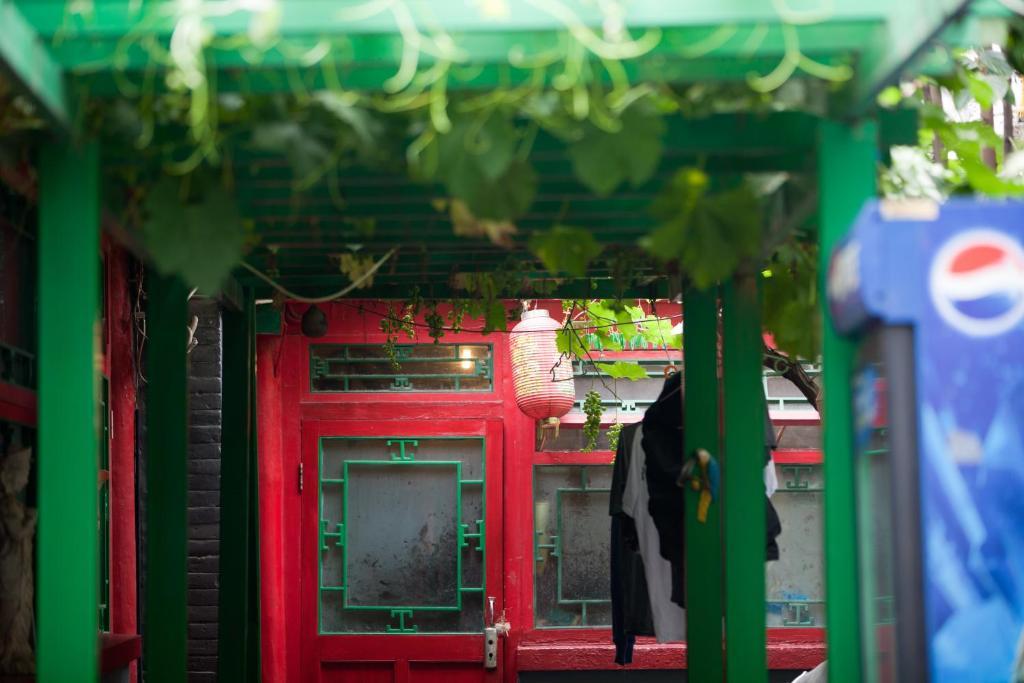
422, 368
571, 553
795, 584
401, 535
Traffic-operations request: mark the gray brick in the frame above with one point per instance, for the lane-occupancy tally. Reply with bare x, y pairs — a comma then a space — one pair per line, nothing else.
204, 451
202, 614
204, 498
208, 515
203, 581
203, 418
202, 631
204, 532
205, 385
204, 466
205, 401
203, 597
203, 548
203, 434
195, 676
204, 564
204, 482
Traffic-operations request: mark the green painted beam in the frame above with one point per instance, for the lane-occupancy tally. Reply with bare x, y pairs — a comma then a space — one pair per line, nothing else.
86, 51
743, 484
907, 36
847, 162
703, 539
68, 455
27, 62
114, 18
236, 476
165, 620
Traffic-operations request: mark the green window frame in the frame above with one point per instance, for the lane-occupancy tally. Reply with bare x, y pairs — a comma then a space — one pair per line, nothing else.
333, 534
555, 547
336, 368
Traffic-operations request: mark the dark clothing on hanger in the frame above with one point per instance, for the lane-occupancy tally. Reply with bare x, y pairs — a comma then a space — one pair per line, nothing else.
663, 446
631, 606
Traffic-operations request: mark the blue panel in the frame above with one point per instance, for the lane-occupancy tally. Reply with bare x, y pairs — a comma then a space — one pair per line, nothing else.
958, 280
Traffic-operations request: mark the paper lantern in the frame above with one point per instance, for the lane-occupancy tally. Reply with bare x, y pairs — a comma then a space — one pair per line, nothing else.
543, 385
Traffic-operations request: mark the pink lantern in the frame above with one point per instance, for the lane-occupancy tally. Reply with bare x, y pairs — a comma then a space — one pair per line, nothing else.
543, 385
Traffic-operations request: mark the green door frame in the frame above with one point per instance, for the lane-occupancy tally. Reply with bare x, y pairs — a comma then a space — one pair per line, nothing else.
847, 168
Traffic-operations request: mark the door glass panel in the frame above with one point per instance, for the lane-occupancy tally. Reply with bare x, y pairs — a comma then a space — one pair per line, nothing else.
401, 535
795, 583
571, 548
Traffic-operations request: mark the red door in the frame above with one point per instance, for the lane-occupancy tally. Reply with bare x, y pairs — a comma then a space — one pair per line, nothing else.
401, 550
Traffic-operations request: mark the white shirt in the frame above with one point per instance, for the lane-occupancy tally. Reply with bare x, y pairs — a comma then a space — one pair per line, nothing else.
668, 617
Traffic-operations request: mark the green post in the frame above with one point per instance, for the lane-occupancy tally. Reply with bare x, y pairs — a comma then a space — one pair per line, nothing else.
743, 483
68, 556
703, 540
847, 158
166, 614
237, 474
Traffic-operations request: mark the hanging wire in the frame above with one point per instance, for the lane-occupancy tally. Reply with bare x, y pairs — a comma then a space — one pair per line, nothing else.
321, 299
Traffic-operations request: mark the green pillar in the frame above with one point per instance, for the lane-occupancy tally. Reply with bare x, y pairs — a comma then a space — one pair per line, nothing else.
847, 163
166, 614
236, 658
68, 546
743, 483
703, 540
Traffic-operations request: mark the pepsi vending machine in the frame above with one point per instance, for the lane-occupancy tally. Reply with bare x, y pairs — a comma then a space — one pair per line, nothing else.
934, 298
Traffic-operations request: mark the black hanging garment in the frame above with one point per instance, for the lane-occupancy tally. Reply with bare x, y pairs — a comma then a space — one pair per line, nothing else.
663, 446
631, 606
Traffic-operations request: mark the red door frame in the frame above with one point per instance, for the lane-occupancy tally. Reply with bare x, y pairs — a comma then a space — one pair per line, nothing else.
406, 651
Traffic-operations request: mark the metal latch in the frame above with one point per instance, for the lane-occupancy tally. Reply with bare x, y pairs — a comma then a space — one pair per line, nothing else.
498, 627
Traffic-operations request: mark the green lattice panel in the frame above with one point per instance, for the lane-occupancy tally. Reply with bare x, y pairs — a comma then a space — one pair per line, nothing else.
346, 368
366, 539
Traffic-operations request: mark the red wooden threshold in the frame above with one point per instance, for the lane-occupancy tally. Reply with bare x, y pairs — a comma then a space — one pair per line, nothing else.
593, 651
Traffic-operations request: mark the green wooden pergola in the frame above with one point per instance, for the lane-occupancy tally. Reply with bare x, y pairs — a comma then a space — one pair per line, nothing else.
56, 52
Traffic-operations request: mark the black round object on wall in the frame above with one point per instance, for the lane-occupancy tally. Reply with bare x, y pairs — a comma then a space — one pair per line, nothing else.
314, 322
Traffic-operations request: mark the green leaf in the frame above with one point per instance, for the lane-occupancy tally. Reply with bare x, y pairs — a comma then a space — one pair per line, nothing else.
571, 342
658, 332
199, 238
476, 162
503, 199
304, 152
465, 224
565, 249
708, 234
602, 161
890, 97
980, 89
623, 370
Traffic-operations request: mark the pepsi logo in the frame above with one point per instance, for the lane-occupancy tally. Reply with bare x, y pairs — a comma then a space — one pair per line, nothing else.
977, 282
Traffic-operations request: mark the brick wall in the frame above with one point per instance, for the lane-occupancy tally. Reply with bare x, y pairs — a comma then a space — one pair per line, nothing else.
204, 491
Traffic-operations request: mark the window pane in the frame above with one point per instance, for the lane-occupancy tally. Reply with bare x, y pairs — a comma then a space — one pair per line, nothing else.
421, 368
571, 580
401, 535
795, 583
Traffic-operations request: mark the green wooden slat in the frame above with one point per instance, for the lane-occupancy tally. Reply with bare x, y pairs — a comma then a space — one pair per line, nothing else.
68, 560
847, 178
236, 573
28, 63
703, 541
165, 621
743, 481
